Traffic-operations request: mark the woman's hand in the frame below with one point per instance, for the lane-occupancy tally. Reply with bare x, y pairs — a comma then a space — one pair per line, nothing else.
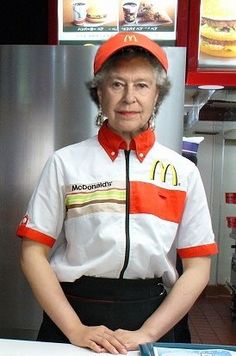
98, 339
131, 339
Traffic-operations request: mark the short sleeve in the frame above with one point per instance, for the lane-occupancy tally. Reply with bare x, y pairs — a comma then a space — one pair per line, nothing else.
195, 233
45, 214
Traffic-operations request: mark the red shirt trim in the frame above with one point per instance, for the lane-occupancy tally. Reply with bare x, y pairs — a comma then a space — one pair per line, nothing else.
198, 251
24, 231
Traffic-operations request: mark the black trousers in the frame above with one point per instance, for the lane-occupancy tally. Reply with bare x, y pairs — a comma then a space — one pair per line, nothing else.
115, 303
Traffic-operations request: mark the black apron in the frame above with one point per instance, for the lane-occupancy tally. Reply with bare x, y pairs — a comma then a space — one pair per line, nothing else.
115, 303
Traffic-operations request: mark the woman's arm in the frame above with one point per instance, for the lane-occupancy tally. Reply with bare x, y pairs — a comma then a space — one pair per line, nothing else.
178, 302
181, 297
48, 292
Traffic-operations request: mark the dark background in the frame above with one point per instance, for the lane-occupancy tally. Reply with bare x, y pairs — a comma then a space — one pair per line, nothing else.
24, 22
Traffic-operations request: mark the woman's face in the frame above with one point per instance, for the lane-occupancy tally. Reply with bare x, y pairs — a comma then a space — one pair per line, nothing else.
128, 95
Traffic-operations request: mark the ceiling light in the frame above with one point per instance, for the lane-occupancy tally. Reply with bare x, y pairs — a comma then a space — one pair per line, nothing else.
211, 87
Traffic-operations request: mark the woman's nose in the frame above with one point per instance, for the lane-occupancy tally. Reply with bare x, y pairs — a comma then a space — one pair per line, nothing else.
129, 95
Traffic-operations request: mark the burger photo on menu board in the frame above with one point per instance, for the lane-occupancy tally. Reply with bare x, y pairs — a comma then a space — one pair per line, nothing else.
96, 12
218, 28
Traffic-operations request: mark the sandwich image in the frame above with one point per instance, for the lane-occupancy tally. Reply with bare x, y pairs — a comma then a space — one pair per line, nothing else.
96, 13
150, 12
218, 28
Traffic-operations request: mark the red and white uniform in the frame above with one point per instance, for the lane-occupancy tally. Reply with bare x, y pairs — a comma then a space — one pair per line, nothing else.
108, 212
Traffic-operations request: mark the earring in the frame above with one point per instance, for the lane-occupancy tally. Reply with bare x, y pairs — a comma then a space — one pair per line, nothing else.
151, 121
100, 118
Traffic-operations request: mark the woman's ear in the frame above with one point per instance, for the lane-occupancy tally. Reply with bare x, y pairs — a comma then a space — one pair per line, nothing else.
99, 93
157, 95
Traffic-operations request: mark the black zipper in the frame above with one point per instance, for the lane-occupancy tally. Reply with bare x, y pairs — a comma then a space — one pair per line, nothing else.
127, 236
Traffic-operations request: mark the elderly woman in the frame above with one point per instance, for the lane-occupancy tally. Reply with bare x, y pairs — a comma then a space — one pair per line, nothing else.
116, 208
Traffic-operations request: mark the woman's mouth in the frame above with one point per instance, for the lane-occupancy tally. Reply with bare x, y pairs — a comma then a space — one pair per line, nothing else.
127, 113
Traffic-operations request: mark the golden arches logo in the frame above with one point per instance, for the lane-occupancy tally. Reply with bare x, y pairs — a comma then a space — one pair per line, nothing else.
162, 170
130, 38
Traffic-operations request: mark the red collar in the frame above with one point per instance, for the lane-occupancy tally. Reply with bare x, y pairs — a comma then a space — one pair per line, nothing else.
112, 142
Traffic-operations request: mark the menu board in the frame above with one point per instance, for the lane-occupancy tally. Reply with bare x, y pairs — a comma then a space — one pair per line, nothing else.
217, 34
96, 20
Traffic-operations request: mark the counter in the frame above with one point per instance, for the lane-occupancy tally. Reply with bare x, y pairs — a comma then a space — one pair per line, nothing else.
35, 348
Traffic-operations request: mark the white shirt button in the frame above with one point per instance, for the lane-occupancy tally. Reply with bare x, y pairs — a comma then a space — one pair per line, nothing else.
141, 155
113, 153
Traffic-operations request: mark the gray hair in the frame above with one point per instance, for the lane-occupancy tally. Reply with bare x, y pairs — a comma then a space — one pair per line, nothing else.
163, 82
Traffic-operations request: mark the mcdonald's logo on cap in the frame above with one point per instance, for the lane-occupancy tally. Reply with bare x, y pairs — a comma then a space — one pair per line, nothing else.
130, 38
165, 172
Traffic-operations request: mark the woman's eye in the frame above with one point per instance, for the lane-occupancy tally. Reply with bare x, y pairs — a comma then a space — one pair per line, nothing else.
117, 85
142, 85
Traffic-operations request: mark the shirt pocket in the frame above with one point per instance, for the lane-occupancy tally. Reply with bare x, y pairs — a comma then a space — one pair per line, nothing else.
147, 198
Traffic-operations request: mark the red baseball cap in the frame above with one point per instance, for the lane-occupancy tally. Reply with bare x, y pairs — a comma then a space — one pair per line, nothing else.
127, 39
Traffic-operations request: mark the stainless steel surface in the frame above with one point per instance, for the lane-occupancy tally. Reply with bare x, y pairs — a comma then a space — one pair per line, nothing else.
169, 121
44, 105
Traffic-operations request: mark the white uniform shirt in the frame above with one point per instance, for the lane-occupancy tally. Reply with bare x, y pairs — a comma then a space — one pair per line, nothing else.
111, 214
